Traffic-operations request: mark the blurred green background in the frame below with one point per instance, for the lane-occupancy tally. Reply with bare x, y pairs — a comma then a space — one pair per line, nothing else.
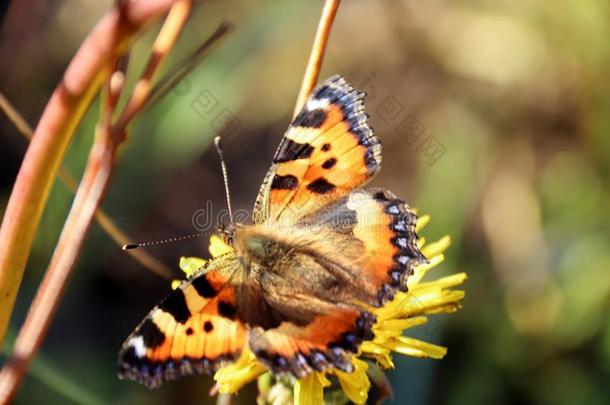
494, 117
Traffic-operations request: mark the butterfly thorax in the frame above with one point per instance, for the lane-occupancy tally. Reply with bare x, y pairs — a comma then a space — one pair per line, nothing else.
264, 247
291, 263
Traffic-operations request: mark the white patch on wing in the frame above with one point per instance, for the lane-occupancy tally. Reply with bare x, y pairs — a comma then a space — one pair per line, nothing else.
402, 242
394, 210
138, 344
400, 226
317, 104
403, 260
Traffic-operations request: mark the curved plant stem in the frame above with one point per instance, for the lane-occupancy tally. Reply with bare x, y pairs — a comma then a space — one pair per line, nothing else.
87, 197
63, 112
102, 218
317, 52
110, 35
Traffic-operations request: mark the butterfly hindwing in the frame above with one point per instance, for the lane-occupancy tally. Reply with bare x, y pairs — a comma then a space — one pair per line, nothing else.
327, 341
374, 231
193, 330
328, 150
382, 227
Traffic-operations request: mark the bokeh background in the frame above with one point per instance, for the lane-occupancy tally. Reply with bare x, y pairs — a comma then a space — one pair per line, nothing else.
495, 120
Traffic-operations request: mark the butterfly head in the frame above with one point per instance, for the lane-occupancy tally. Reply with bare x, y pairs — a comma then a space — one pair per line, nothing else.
227, 232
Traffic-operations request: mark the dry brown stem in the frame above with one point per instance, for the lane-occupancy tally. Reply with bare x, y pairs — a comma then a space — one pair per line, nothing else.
95, 63
317, 52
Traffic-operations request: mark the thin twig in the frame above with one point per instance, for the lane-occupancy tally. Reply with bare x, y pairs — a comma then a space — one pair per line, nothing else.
13, 115
184, 67
317, 52
88, 196
102, 218
113, 88
161, 47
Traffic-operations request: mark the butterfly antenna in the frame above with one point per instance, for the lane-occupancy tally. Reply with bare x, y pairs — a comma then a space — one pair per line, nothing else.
131, 246
225, 176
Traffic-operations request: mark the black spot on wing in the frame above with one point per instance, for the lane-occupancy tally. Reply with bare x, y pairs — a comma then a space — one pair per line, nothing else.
337, 91
321, 186
151, 334
287, 182
175, 304
310, 118
208, 327
290, 150
227, 310
326, 147
381, 195
203, 287
324, 91
329, 163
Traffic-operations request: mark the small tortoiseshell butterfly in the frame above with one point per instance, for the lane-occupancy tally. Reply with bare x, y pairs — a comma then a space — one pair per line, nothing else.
301, 280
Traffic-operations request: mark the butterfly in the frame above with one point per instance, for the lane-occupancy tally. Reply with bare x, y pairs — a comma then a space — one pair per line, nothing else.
300, 282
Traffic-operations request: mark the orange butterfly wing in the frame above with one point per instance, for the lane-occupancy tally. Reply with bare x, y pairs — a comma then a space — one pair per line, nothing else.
384, 226
193, 330
325, 342
328, 150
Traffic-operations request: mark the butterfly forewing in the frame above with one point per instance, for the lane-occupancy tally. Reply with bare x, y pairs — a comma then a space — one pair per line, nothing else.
193, 330
328, 150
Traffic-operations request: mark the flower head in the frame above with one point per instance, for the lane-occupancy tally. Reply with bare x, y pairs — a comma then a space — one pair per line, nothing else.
406, 310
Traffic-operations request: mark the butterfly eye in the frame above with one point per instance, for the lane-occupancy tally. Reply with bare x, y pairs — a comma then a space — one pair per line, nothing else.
257, 246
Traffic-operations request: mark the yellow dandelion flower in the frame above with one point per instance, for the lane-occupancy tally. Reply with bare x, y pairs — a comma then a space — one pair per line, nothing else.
406, 310
191, 265
247, 368
356, 384
310, 390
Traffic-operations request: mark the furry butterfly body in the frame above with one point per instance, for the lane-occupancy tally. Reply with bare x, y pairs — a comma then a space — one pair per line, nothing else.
301, 280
